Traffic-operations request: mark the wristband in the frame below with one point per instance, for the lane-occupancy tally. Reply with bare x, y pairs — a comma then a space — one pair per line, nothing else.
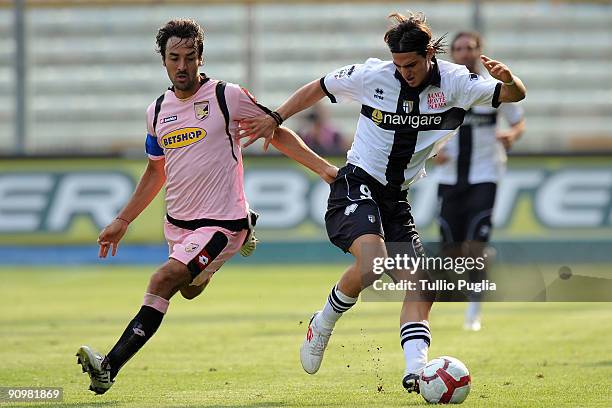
509, 83
277, 117
123, 219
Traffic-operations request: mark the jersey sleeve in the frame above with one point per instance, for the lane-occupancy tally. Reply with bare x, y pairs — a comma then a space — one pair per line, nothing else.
344, 84
513, 113
246, 106
152, 147
474, 89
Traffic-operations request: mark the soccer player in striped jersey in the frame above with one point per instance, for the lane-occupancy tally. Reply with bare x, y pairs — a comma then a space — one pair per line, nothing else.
410, 105
469, 167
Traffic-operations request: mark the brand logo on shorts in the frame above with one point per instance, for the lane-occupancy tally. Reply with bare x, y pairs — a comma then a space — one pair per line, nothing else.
350, 209
417, 245
182, 137
192, 246
201, 109
372, 218
203, 259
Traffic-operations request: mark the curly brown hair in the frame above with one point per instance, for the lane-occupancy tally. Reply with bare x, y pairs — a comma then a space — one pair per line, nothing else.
183, 28
411, 33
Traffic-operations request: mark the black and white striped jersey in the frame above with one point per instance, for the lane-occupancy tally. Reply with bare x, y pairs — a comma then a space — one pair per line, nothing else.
400, 127
475, 155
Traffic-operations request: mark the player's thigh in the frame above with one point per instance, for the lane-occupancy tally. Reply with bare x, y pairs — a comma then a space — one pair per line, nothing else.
452, 215
480, 203
205, 250
352, 211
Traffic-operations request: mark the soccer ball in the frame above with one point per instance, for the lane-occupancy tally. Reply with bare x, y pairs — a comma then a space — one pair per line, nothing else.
445, 380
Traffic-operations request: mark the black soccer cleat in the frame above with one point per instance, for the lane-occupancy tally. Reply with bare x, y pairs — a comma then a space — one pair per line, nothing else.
411, 383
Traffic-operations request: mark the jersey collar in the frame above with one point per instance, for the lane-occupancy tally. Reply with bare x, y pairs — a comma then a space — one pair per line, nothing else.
434, 78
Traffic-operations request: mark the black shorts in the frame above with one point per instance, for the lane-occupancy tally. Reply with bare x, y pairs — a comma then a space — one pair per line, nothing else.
465, 212
358, 205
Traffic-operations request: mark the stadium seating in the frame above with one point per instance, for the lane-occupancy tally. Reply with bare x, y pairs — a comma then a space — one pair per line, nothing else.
92, 72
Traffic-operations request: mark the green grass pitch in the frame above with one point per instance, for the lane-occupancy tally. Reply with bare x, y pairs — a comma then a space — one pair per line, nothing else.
237, 345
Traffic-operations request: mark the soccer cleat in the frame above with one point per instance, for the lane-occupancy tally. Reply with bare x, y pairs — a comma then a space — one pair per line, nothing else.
93, 364
411, 382
250, 242
313, 347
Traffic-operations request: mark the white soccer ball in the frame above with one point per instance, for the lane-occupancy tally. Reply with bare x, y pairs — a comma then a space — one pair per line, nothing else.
445, 380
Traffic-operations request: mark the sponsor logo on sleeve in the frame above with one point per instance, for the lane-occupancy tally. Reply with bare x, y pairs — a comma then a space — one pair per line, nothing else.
344, 72
182, 137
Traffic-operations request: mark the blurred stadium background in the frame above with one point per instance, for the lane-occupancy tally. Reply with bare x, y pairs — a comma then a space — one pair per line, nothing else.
75, 80
76, 77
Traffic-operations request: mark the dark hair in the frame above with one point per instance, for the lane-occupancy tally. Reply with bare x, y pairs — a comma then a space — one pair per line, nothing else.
411, 33
470, 34
183, 28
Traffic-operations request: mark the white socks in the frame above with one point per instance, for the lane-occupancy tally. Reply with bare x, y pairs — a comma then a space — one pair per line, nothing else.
415, 340
337, 303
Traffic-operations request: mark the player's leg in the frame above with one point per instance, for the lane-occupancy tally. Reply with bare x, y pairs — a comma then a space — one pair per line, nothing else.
479, 203
190, 292
353, 223
340, 299
193, 260
403, 239
163, 285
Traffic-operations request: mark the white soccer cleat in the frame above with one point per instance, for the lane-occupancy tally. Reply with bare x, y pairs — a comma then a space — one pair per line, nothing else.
250, 242
92, 364
313, 347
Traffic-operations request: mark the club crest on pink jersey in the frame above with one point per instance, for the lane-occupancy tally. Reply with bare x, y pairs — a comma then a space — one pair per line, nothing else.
202, 109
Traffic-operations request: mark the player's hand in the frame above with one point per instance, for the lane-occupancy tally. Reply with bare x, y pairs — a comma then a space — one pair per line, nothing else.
497, 70
507, 138
110, 236
255, 128
329, 174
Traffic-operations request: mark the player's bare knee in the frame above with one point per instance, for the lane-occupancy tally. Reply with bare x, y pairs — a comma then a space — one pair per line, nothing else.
170, 277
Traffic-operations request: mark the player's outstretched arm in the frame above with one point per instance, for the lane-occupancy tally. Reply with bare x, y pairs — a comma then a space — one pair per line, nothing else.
292, 146
264, 125
149, 185
509, 136
513, 89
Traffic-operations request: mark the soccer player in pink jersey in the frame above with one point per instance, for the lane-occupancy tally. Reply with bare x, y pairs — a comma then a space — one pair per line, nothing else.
190, 144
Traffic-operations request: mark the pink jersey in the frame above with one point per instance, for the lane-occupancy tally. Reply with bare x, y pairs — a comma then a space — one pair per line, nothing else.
203, 162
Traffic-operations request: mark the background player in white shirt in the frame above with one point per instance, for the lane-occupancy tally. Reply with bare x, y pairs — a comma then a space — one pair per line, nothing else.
409, 106
469, 167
